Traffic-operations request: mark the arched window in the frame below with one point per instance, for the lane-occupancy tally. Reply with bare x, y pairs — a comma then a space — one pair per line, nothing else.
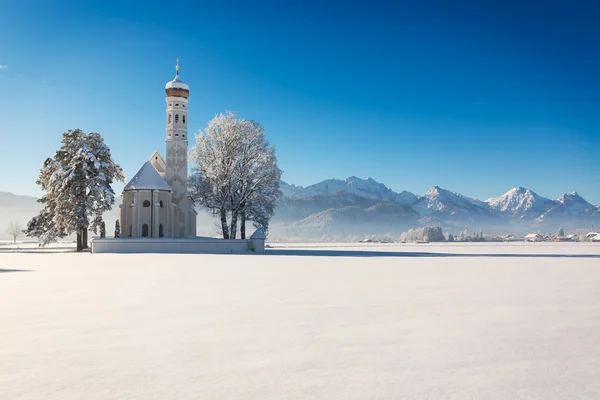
169, 119
183, 118
160, 203
176, 118
160, 230
145, 230
130, 230
146, 203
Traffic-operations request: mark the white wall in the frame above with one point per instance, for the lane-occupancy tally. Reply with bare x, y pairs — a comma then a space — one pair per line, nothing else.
180, 246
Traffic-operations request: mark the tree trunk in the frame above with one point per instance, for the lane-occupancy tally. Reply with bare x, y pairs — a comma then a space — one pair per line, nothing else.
84, 241
79, 246
14, 239
234, 218
243, 225
224, 223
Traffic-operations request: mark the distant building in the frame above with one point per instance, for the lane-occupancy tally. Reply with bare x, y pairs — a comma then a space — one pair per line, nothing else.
534, 237
593, 236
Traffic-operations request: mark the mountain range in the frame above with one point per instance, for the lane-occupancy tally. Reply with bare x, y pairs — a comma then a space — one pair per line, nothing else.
360, 206
357, 207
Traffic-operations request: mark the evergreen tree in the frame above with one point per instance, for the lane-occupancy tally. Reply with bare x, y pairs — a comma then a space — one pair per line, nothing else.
77, 184
561, 232
102, 230
117, 229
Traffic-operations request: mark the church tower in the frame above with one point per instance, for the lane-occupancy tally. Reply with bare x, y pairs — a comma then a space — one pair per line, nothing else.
177, 149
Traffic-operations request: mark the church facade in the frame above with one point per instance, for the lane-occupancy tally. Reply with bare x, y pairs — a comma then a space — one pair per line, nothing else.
155, 203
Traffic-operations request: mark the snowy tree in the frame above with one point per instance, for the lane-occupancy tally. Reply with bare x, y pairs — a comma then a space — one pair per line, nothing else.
77, 184
102, 230
236, 173
117, 229
450, 237
561, 232
15, 230
433, 234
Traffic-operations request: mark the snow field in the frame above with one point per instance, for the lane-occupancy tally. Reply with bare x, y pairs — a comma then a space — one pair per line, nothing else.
497, 321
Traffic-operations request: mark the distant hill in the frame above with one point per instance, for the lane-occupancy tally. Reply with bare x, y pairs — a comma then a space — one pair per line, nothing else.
16, 208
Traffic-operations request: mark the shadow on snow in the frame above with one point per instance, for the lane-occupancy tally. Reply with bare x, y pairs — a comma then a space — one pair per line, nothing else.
363, 253
2, 270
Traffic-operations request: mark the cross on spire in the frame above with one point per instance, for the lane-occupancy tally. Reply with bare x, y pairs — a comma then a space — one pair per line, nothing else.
177, 65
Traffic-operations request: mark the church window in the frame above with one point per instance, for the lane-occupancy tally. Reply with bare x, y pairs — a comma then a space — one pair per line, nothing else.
169, 119
176, 118
146, 203
160, 203
130, 230
145, 230
160, 231
183, 119
176, 104
170, 104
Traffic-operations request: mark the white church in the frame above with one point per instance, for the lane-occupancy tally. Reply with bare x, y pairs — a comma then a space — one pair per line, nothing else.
157, 214
155, 203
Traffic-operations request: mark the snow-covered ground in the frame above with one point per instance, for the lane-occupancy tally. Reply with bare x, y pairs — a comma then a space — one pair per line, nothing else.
449, 321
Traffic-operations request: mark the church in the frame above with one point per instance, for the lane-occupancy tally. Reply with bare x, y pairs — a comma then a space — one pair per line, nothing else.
155, 203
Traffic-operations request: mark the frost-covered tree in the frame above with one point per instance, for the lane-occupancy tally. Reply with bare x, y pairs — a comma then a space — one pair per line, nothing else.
433, 234
15, 230
561, 232
450, 237
77, 185
117, 229
236, 173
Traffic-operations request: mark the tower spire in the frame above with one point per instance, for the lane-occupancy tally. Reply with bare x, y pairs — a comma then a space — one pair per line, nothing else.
177, 67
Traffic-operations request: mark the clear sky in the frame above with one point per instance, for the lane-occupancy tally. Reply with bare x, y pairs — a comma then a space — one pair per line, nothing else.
474, 96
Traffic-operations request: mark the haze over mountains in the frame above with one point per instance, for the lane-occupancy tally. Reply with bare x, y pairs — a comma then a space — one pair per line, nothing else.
355, 207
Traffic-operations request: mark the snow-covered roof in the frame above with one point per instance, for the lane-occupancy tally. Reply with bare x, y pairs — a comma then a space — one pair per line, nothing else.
147, 178
258, 234
177, 84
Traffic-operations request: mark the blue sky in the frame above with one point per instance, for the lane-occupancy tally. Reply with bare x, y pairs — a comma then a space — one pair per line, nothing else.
473, 96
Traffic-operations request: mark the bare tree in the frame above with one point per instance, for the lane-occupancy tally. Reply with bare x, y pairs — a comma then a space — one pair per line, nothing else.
236, 171
15, 229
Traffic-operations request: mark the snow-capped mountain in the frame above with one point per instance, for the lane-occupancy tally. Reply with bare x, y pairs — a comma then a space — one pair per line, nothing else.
438, 201
520, 203
368, 188
568, 207
322, 203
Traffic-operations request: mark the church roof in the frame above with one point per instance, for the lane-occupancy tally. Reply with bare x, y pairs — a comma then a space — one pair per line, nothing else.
147, 178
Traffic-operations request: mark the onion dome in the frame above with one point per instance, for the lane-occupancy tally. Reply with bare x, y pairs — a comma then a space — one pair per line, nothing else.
177, 87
